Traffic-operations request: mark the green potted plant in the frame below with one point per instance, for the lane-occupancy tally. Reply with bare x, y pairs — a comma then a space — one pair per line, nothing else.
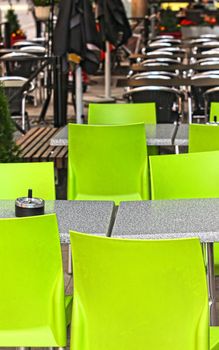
15, 29
42, 9
9, 151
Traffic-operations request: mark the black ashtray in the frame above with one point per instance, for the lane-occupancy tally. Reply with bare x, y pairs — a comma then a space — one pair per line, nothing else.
28, 206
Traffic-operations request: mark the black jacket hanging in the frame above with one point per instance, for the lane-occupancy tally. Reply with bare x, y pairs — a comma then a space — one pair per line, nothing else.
76, 32
114, 23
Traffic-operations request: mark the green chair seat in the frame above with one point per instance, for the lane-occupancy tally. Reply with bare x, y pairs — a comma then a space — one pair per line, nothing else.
117, 198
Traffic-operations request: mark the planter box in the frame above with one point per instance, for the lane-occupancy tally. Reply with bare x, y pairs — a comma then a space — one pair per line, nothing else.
42, 12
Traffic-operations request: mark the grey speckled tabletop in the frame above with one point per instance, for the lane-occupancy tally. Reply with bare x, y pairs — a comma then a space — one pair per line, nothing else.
182, 135
160, 134
168, 219
83, 216
157, 135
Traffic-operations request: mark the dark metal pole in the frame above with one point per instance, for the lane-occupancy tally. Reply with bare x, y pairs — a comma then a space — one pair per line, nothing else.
146, 29
60, 80
38, 28
59, 98
7, 35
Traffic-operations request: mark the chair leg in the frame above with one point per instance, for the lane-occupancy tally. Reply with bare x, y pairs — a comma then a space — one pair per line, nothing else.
69, 260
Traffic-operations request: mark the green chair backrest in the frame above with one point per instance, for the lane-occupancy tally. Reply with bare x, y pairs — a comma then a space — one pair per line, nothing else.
32, 286
203, 137
17, 178
193, 175
214, 112
138, 294
107, 162
121, 113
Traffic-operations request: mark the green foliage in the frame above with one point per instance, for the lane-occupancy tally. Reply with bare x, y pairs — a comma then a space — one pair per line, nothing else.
12, 18
8, 149
42, 2
45, 2
168, 21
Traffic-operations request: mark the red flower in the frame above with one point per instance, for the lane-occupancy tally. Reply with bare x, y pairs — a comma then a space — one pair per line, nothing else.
186, 22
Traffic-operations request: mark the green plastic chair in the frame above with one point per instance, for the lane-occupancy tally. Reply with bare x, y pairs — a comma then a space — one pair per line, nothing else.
203, 137
138, 294
123, 113
32, 301
214, 338
214, 112
17, 178
107, 162
186, 176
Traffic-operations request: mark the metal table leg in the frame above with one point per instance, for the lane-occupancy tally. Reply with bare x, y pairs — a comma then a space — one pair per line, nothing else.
176, 149
189, 109
211, 283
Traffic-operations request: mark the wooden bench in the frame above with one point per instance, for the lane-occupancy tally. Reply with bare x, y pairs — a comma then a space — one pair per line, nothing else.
35, 147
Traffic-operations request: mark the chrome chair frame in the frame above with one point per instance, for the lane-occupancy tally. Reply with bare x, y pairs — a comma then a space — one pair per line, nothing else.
206, 95
160, 60
17, 82
204, 75
156, 52
129, 91
157, 74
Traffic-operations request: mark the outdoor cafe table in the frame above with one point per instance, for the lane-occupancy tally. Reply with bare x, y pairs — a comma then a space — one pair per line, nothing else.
157, 135
205, 55
170, 219
181, 137
83, 216
172, 68
170, 82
